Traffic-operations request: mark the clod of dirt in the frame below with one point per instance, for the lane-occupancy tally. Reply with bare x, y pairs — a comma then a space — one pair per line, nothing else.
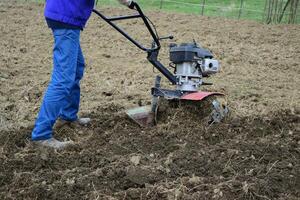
141, 176
135, 160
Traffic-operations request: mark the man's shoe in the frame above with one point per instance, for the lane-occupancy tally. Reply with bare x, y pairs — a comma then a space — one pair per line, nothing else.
79, 122
83, 121
54, 143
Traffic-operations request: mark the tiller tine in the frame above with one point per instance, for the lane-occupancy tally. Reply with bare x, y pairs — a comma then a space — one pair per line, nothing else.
145, 116
219, 107
142, 115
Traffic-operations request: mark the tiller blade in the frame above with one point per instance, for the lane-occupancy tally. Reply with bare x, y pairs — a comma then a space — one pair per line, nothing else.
142, 115
145, 116
165, 102
219, 108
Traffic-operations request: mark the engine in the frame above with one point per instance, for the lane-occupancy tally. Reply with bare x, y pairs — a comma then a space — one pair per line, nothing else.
191, 64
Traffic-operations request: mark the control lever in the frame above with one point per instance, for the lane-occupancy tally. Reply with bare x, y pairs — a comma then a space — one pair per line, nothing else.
170, 37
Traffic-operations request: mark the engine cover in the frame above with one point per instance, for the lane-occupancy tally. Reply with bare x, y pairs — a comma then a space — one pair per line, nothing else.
188, 52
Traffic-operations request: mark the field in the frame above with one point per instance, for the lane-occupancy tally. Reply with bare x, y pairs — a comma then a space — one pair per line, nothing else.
254, 154
232, 9
229, 8
251, 9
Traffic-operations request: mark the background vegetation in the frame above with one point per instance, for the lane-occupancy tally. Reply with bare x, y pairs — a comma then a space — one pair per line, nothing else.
259, 10
267, 11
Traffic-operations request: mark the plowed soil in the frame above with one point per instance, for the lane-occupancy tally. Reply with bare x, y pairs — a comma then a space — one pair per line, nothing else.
254, 154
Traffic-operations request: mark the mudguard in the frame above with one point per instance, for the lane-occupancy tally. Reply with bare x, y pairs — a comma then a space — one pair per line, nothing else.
198, 96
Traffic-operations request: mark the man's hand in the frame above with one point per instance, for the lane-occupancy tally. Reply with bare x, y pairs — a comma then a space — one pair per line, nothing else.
128, 3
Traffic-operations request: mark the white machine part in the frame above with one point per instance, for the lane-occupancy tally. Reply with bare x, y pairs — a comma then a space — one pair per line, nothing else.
209, 66
192, 63
190, 74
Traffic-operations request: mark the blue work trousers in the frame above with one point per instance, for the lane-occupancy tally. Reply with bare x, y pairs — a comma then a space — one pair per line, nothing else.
62, 96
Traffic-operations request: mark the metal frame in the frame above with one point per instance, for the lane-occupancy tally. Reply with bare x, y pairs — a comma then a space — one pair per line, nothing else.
153, 51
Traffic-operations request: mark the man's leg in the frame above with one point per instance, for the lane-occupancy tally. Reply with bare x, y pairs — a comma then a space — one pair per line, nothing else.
69, 112
65, 54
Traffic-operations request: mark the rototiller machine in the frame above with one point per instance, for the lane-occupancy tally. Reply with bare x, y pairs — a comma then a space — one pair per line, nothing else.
191, 64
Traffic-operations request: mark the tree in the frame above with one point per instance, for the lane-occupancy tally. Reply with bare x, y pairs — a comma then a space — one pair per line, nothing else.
278, 10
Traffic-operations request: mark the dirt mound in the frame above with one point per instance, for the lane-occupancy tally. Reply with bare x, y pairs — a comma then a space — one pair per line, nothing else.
245, 158
254, 154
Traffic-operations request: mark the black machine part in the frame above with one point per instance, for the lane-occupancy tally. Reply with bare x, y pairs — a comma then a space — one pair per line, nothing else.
154, 50
188, 52
192, 62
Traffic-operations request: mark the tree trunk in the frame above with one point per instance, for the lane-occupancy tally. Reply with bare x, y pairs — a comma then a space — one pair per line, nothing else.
203, 7
283, 11
277, 11
241, 9
161, 4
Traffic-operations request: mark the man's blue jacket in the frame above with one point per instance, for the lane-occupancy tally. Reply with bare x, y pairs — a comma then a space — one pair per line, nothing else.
73, 12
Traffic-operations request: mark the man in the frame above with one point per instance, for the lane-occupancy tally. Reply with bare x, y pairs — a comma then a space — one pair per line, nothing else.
61, 101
